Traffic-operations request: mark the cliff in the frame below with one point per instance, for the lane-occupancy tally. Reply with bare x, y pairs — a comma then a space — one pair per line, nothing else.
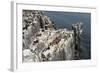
43, 42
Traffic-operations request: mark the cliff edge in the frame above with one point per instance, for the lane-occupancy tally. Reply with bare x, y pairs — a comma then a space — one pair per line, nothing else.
43, 42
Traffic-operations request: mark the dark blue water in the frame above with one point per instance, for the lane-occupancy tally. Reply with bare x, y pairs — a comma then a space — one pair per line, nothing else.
66, 19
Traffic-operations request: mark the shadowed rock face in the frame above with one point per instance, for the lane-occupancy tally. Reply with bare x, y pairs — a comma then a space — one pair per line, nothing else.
42, 42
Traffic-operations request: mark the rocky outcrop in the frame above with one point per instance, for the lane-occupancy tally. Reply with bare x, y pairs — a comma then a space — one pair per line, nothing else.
77, 29
33, 21
43, 42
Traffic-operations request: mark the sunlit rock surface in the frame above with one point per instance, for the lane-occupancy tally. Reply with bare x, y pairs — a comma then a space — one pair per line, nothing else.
43, 42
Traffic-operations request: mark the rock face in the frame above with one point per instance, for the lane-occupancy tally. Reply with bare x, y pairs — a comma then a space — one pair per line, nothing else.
42, 42
33, 21
77, 32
